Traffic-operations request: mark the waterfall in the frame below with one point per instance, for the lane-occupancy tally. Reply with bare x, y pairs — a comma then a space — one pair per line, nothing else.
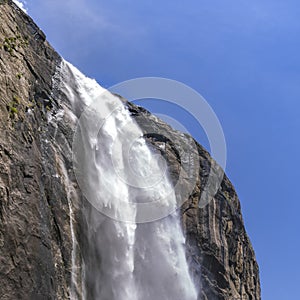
118, 173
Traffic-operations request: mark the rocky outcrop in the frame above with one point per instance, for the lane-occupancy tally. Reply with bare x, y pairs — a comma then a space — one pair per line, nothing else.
218, 249
36, 236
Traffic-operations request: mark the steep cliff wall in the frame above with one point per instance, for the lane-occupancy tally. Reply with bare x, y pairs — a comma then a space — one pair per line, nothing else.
35, 239
36, 244
218, 248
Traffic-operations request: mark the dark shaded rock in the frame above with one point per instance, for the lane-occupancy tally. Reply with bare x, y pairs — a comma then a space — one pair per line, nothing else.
218, 249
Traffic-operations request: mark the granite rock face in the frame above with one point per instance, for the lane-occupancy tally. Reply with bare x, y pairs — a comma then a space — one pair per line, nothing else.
36, 236
219, 251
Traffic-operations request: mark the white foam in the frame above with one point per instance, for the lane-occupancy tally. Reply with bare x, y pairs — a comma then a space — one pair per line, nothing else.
124, 260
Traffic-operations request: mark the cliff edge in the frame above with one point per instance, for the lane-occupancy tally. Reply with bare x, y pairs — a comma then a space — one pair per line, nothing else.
36, 235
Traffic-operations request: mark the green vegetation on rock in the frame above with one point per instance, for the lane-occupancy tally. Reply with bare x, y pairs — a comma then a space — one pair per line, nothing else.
10, 44
13, 106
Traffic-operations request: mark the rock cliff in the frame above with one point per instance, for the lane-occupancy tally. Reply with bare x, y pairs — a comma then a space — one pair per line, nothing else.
36, 234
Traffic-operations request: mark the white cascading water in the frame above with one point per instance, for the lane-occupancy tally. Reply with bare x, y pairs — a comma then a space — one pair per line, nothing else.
123, 260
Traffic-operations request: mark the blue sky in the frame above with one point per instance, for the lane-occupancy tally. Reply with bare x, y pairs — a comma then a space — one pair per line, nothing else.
243, 57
